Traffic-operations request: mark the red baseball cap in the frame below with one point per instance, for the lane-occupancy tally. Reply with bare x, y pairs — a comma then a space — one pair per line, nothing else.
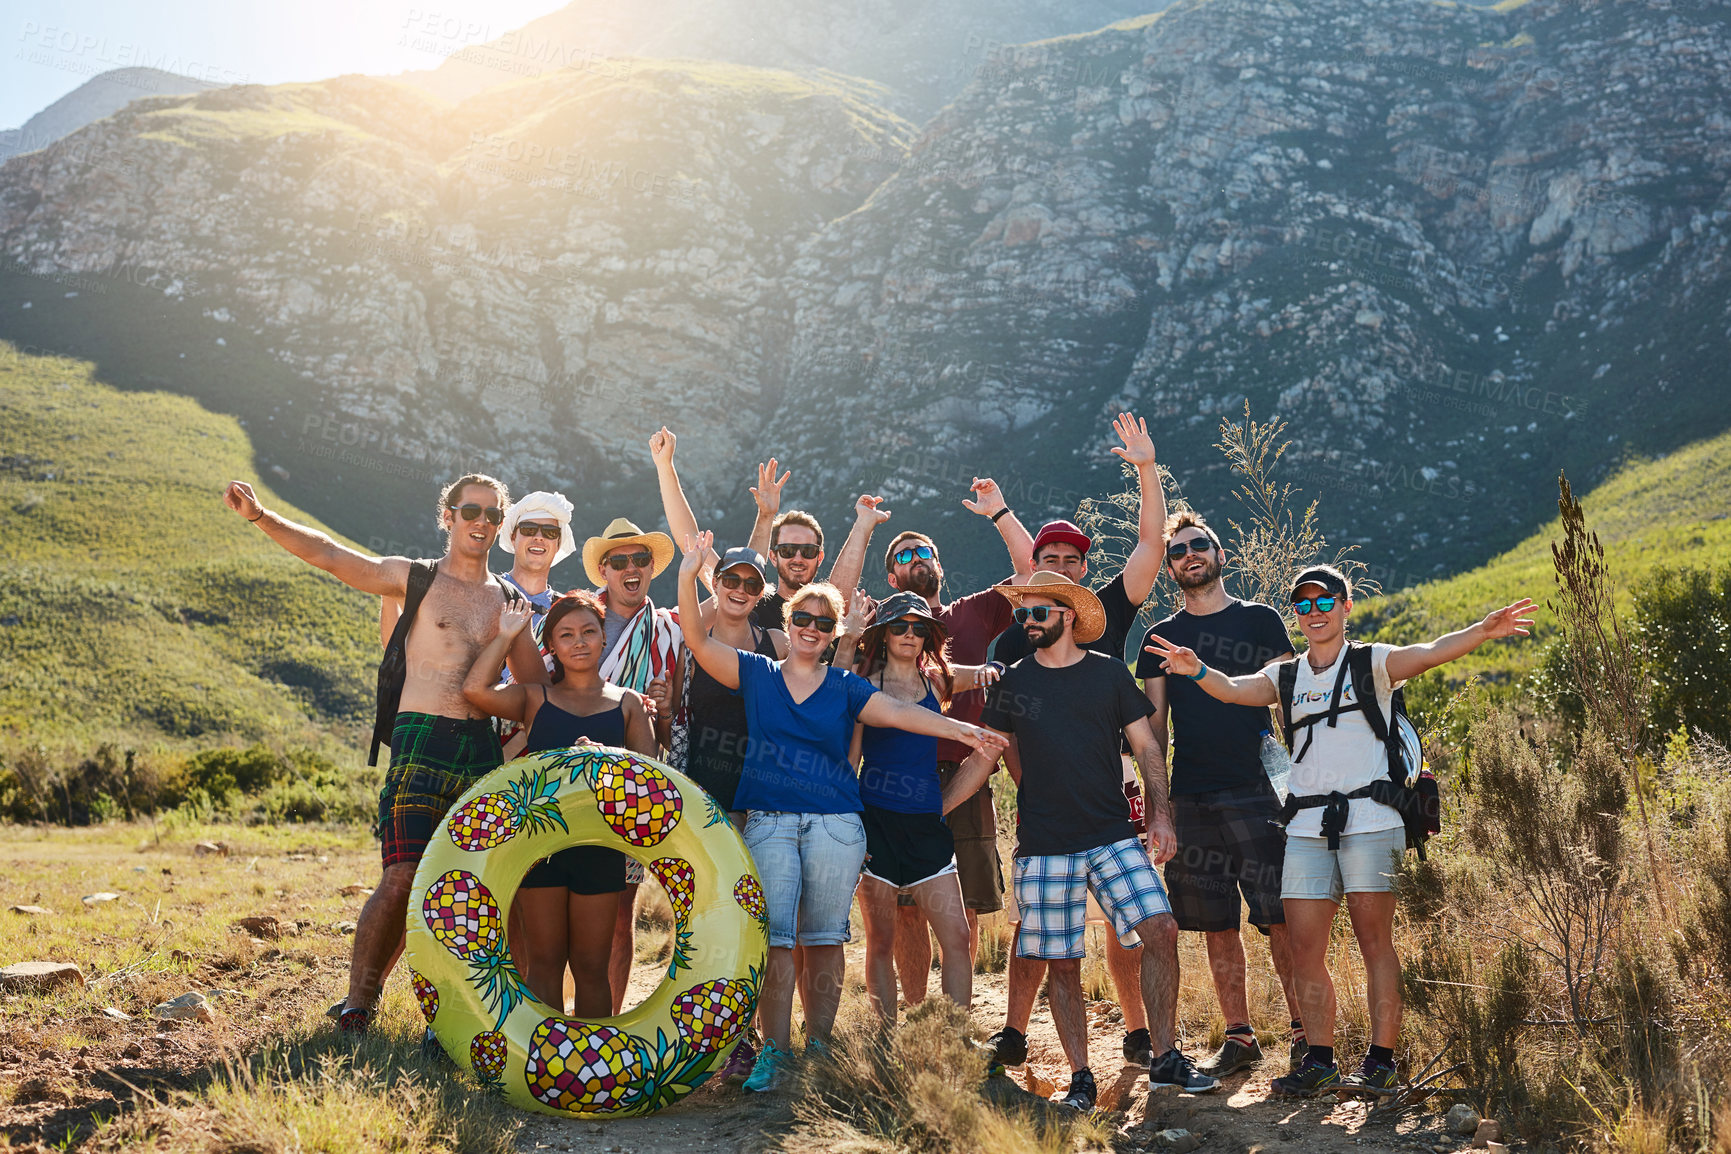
1062, 531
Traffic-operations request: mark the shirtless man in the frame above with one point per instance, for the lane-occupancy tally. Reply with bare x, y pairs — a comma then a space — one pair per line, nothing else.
440, 744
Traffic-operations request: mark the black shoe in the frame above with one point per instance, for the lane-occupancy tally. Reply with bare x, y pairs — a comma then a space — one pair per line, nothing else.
1081, 1094
1373, 1080
1138, 1050
1007, 1047
1295, 1055
1235, 1054
1309, 1080
433, 1050
1173, 1069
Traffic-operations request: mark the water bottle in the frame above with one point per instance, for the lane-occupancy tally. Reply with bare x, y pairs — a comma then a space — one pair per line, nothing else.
1276, 763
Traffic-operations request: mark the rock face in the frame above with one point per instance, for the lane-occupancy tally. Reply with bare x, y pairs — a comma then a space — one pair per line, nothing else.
1455, 248
101, 95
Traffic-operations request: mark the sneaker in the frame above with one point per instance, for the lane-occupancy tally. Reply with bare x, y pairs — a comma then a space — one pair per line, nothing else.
336, 1010
1138, 1050
1235, 1054
1373, 1080
766, 1073
738, 1067
1173, 1069
1310, 1079
817, 1048
1295, 1055
1081, 1094
354, 1022
1007, 1047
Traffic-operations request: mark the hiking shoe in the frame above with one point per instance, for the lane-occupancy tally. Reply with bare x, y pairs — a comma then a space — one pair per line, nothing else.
1310, 1079
1373, 1080
1081, 1094
1173, 1069
738, 1067
354, 1022
1235, 1054
1295, 1055
817, 1048
1007, 1047
1138, 1050
766, 1073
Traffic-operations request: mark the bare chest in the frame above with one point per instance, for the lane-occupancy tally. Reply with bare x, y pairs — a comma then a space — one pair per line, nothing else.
457, 616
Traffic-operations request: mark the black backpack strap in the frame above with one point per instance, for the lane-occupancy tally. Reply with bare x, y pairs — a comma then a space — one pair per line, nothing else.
421, 574
1358, 659
393, 666
1288, 682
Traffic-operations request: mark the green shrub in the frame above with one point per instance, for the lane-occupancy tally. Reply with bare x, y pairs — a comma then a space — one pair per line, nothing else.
1683, 618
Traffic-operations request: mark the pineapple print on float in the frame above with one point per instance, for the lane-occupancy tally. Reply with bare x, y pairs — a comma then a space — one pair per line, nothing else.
467, 984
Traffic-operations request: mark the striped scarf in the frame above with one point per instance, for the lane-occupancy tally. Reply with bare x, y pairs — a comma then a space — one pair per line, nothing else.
645, 650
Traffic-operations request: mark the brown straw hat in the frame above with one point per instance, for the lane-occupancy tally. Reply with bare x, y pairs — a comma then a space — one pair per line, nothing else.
1090, 614
622, 532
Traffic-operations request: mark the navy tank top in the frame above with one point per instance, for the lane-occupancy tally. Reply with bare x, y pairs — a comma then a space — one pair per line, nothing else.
900, 769
556, 729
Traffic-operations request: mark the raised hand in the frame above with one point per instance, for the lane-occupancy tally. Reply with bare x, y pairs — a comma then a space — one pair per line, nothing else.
1174, 658
661, 444
860, 611
870, 506
513, 615
1508, 621
239, 497
1138, 445
988, 498
696, 546
767, 491
988, 741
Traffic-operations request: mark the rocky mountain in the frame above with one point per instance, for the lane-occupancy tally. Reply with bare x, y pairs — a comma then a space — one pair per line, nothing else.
1455, 248
101, 95
922, 52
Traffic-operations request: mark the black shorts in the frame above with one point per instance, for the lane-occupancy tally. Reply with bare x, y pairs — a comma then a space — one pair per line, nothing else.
582, 869
905, 849
1227, 846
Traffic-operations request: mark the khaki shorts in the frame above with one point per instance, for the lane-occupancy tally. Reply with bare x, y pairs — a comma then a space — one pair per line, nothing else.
974, 824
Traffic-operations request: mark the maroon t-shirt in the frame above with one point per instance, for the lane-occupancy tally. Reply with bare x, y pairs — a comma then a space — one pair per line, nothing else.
972, 622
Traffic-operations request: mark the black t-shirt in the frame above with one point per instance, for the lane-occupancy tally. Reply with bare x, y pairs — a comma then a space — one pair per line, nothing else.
766, 614
1215, 744
1011, 645
1068, 724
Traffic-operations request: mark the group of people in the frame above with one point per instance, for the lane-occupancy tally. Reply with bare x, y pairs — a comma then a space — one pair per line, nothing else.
853, 742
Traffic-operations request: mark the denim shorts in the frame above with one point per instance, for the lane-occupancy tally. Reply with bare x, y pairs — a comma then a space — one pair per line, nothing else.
809, 864
1364, 863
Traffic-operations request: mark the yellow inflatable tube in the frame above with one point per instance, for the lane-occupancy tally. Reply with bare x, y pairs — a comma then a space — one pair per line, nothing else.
461, 965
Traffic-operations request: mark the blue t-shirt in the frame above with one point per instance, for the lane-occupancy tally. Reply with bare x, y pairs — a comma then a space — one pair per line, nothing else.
796, 754
900, 769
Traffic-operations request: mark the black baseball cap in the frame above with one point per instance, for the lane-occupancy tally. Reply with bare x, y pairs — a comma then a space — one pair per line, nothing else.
1327, 576
743, 555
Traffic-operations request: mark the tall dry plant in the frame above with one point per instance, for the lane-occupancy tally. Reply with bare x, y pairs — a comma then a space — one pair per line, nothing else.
1608, 666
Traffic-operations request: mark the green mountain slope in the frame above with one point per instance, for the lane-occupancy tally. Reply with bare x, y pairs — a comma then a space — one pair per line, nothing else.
133, 604
1669, 513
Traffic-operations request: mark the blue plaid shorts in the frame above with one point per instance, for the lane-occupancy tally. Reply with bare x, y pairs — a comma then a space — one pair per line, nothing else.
1052, 893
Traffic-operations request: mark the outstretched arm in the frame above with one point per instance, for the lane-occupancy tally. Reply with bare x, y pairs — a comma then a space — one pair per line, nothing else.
718, 659
480, 687
681, 521
850, 562
767, 494
1142, 566
973, 774
1252, 689
989, 502
1408, 661
975, 676
887, 712
384, 576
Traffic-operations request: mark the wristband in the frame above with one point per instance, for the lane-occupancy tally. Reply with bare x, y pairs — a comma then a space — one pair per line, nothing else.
1000, 513
1199, 674
255, 520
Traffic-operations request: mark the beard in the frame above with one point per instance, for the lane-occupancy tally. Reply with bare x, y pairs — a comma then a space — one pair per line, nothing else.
922, 580
1210, 574
1045, 637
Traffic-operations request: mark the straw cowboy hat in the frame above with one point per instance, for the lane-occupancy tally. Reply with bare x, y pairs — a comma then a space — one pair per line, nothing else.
540, 506
1090, 614
622, 532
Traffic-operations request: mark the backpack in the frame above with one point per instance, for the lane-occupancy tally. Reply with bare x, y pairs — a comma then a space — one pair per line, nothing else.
394, 665
1409, 789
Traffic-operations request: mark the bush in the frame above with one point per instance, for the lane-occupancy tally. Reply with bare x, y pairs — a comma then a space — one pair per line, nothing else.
1683, 618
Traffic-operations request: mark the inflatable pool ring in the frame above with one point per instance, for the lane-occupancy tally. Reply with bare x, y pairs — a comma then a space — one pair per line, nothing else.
460, 962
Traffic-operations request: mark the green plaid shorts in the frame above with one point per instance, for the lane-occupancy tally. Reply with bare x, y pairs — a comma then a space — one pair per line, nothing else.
434, 761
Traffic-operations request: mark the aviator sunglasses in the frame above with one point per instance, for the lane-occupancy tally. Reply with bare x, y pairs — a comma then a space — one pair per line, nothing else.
803, 620
470, 512
1320, 604
753, 585
619, 562
1036, 613
789, 552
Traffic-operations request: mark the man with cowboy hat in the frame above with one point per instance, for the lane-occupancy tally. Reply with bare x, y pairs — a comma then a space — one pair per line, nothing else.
1065, 711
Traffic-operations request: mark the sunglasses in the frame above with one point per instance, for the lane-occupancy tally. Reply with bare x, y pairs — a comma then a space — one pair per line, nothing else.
788, 552
1196, 545
470, 512
923, 552
1320, 604
619, 562
753, 585
551, 532
1036, 613
803, 620
919, 628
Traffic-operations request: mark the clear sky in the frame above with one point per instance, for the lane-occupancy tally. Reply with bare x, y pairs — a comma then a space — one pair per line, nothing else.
53, 46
